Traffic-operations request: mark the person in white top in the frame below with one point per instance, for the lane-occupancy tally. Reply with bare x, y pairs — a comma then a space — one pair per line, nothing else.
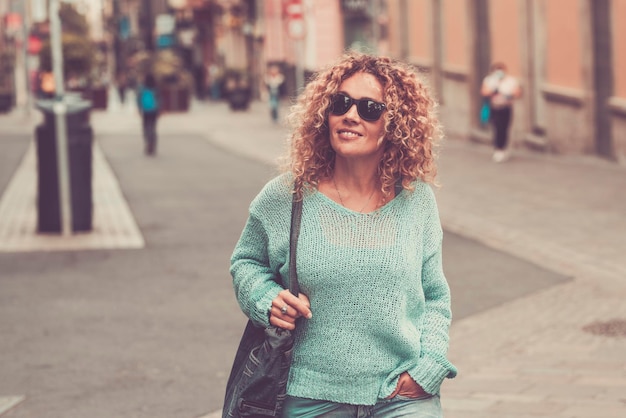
501, 89
273, 81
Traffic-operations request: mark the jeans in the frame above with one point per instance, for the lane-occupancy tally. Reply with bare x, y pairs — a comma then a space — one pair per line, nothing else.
149, 131
501, 119
274, 106
398, 406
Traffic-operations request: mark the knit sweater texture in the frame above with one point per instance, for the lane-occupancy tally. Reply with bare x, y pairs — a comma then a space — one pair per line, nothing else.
379, 297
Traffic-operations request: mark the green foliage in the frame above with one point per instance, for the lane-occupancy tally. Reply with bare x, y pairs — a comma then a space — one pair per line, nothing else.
78, 50
72, 21
168, 68
78, 56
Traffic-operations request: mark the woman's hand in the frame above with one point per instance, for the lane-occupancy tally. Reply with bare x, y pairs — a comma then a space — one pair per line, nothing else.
286, 308
408, 387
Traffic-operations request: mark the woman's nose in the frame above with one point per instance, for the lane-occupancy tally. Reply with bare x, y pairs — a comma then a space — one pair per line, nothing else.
352, 113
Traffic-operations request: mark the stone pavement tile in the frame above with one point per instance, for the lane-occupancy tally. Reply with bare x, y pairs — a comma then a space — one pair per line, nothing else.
542, 208
113, 225
597, 363
466, 405
484, 414
612, 393
215, 414
602, 381
18, 122
475, 384
564, 390
523, 244
604, 409
508, 408
539, 340
9, 402
511, 397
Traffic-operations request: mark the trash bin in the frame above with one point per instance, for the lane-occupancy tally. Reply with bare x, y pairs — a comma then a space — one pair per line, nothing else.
79, 141
238, 90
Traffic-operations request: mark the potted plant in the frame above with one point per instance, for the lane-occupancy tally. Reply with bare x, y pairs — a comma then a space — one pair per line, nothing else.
237, 88
78, 59
82, 59
174, 82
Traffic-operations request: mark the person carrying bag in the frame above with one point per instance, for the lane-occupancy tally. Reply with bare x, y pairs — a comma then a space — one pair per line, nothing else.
371, 317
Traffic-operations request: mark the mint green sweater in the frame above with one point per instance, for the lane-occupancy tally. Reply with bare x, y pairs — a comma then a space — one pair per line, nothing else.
379, 297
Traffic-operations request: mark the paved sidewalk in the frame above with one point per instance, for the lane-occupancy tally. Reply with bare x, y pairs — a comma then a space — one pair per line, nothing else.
113, 225
532, 357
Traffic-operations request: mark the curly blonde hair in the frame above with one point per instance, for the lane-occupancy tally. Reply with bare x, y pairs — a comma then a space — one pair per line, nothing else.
411, 127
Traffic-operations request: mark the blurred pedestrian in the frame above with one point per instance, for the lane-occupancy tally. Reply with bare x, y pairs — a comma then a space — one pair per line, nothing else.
372, 319
501, 90
214, 79
274, 81
199, 75
148, 103
121, 83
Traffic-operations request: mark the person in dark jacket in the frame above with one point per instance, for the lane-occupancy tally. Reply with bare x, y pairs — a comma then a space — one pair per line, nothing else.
148, 103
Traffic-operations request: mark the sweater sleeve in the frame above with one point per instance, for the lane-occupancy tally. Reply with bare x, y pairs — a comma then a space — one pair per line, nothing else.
253, 278
262, 249
433, 366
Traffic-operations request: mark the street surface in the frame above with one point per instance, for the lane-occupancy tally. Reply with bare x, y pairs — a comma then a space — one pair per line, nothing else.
533, 252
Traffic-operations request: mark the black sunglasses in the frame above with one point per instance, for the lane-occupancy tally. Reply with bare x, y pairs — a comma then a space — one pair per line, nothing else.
367, 109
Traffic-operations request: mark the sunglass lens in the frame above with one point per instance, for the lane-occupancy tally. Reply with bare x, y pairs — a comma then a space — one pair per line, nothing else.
369, 110
340, 104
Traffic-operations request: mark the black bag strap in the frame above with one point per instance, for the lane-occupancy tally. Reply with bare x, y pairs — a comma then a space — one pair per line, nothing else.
296, 217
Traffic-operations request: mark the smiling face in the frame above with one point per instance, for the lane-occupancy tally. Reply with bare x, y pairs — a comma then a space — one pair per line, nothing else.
350, 135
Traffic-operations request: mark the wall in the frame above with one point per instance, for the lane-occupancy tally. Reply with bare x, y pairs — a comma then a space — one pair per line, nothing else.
618, 25
455, 92
555, 48
420, 33
617, 103
570, 129
327, 41
505, 47
274, 34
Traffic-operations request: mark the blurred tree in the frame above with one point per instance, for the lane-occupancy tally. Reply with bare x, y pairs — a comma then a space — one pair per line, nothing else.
78, 49
78, 56
72, 21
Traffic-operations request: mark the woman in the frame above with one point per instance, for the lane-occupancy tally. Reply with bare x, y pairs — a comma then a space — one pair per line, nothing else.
371, 323
501, 90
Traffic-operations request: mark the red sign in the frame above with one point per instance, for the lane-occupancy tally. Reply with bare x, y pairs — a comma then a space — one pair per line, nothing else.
34, 45
294, 12
294, 9
13, 21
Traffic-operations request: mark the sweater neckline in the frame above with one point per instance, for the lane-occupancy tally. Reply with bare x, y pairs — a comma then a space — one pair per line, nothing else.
339, 207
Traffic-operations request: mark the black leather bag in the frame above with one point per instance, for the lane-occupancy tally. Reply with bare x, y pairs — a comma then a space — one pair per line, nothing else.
257, 384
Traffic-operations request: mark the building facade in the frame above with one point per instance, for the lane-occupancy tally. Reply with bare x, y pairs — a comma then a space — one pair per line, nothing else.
570, 56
